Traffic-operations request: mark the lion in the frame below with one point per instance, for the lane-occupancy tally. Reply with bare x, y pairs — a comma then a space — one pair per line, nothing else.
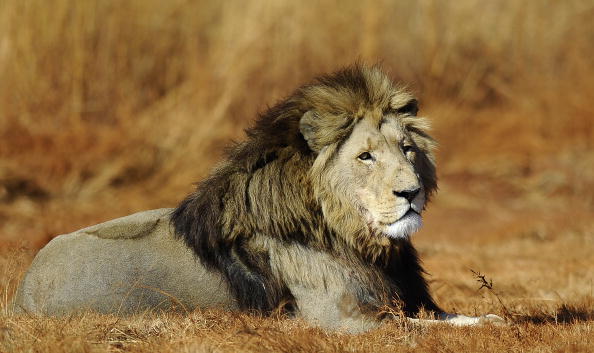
311, 215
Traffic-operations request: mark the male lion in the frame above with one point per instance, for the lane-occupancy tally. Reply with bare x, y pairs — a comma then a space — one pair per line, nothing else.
311, 214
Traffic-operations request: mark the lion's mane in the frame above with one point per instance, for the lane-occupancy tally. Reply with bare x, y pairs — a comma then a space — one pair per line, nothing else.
268, 187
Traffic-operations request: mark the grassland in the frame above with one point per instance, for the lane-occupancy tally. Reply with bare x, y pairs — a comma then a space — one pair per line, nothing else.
109, 107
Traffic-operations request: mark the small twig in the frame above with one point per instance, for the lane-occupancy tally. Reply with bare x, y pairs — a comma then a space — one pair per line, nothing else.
486, 283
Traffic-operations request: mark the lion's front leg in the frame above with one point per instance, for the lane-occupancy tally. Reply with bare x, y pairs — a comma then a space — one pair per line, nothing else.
339, 310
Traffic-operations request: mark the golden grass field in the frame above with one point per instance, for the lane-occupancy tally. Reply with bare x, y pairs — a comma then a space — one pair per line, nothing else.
109, 107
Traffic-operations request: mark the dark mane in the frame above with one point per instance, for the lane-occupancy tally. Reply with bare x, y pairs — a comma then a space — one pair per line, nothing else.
263, 189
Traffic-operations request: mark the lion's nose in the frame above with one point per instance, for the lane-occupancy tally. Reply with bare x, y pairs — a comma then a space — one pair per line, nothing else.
408, 194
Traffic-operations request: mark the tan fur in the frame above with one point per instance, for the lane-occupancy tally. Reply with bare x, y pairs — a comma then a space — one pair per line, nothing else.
124, 266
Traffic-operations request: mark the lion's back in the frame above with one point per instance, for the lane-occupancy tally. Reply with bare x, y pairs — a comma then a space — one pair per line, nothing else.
126, 265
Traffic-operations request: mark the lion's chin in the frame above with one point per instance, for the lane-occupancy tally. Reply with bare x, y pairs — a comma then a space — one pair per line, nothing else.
404, 227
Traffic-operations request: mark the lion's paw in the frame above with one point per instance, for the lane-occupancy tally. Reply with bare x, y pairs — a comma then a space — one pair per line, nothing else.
460, 320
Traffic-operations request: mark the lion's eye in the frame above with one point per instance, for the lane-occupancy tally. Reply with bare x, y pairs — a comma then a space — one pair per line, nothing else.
406, 149
365, 156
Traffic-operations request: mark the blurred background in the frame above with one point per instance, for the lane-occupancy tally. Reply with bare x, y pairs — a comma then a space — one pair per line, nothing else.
108, 107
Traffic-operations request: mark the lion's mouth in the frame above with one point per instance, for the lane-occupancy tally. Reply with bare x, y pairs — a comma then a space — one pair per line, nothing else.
409, 223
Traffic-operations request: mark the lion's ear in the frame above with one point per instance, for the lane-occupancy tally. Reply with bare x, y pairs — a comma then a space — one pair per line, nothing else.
307, 127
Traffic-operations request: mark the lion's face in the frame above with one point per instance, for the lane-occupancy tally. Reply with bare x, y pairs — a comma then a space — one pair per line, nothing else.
374, 170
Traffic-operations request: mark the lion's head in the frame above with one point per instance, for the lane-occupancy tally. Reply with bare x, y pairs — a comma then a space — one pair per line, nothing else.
374, 162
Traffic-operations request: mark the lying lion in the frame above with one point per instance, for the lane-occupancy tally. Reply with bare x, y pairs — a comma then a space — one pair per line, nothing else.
311, 214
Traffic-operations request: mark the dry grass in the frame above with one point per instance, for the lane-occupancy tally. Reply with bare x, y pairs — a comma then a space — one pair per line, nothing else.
109, 107
220, 332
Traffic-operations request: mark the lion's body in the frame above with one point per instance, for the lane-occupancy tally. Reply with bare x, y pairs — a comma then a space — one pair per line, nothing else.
136, 263
311, 215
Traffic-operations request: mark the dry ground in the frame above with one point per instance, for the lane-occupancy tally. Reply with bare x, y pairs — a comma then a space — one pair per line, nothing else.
110, 107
